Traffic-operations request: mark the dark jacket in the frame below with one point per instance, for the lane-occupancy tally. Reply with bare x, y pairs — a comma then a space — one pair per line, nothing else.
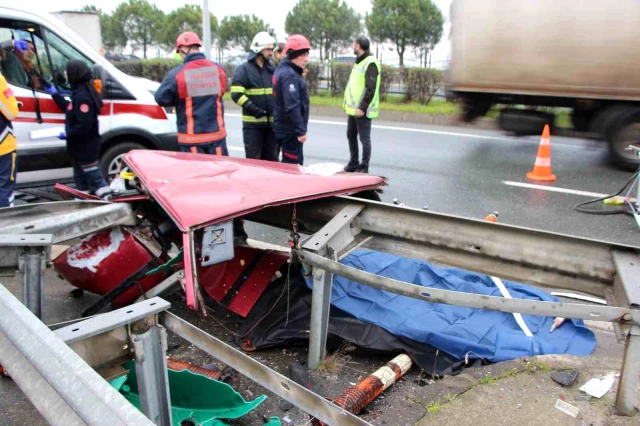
81, 125
195, 89
251, 89
291, 100
371, 79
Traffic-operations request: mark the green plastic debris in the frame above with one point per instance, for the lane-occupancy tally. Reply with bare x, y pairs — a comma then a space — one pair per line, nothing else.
194, 397
273, 421
166, 268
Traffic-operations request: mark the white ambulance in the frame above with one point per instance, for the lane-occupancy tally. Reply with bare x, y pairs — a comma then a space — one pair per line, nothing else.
130, 118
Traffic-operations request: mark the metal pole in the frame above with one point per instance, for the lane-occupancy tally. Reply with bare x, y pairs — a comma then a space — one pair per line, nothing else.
280, 385
32, 266
206, 28
43, 397
456, 298
150, 350
320, 306
629, 374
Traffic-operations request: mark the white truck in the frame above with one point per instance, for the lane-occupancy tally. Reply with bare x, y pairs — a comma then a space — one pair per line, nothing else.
582, 55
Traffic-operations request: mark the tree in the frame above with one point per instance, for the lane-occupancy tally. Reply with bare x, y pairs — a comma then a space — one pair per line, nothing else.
237, 31
406, 23
141, 21
328, 24
113, 36
185, 18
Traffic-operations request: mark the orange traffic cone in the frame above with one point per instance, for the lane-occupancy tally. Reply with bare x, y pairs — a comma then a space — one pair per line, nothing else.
542, 168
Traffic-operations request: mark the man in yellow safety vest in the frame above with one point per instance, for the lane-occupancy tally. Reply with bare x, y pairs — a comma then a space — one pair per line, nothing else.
361, 103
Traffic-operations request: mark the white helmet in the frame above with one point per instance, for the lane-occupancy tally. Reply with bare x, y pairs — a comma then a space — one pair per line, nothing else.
261, 41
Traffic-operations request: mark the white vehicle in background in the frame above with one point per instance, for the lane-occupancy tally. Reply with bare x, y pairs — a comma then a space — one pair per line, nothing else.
130, 118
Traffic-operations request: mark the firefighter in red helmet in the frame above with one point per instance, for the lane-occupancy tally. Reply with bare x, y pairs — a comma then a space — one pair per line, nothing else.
195, 88
291, 103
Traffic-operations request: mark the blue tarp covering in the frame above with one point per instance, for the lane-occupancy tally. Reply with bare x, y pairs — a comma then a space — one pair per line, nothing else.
459, 331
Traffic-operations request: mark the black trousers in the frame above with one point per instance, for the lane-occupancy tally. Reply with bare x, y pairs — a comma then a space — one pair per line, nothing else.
359, 127
292, 149
260, 143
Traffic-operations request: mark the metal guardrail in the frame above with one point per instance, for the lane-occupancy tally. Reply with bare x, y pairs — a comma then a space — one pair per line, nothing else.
59, 383
589, 260
339, 224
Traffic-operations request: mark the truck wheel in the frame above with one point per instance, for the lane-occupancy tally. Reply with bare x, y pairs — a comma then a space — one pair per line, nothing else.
111, 159
624, 130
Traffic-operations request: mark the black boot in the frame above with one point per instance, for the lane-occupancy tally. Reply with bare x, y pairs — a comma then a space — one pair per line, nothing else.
351, 167
362, 168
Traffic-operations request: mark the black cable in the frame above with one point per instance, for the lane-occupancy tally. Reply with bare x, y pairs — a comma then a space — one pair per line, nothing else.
579, 207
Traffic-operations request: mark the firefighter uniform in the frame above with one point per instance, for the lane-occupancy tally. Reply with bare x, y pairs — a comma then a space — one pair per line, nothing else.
195, 89
251, 89
291, 110
8, 145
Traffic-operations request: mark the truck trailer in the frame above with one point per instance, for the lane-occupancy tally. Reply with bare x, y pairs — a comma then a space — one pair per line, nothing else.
531, 56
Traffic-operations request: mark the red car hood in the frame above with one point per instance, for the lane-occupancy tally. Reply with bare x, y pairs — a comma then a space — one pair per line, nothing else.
197, 190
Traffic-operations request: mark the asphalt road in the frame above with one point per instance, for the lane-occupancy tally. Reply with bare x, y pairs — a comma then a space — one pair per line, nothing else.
462, 171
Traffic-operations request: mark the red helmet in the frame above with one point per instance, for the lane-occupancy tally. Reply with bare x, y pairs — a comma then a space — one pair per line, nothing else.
188, 38
297, 42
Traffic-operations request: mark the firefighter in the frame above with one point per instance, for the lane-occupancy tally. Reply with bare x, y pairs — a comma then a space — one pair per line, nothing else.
361, 103
291, 100
195, 89
251, 89
82, 128
9, 109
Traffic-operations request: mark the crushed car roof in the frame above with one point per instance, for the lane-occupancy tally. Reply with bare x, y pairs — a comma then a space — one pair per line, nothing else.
199, 189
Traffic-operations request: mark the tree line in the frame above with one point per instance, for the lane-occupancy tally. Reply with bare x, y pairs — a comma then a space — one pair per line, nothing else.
330, 25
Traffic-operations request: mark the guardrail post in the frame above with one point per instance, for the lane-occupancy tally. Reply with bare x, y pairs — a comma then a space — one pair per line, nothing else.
629, 374
320, 306
32, 265
150, 349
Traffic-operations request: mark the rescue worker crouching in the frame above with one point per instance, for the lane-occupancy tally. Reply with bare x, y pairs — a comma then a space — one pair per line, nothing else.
195, 88
291, 100
8, 145
251, 89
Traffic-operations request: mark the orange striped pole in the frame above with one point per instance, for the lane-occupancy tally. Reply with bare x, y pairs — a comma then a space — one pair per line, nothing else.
355, 398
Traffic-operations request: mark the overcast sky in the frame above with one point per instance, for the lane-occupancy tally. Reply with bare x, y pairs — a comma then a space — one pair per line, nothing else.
273, 12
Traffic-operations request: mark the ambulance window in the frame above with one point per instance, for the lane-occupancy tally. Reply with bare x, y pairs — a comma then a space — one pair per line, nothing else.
29, 67
61, 52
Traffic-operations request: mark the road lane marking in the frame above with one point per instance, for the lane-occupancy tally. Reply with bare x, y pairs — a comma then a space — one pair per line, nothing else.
444, 133
406, 129
554, 189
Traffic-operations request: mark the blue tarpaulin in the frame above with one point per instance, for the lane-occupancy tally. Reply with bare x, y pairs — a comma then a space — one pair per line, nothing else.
459, 331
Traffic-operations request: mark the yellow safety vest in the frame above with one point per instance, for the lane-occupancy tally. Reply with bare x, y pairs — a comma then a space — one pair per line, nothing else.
354, 92
9, 111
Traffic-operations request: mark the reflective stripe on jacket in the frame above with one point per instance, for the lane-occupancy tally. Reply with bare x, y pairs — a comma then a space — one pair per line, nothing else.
195, 88
251, 89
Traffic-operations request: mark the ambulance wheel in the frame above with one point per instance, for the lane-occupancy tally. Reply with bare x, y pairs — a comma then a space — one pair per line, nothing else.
111, 159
